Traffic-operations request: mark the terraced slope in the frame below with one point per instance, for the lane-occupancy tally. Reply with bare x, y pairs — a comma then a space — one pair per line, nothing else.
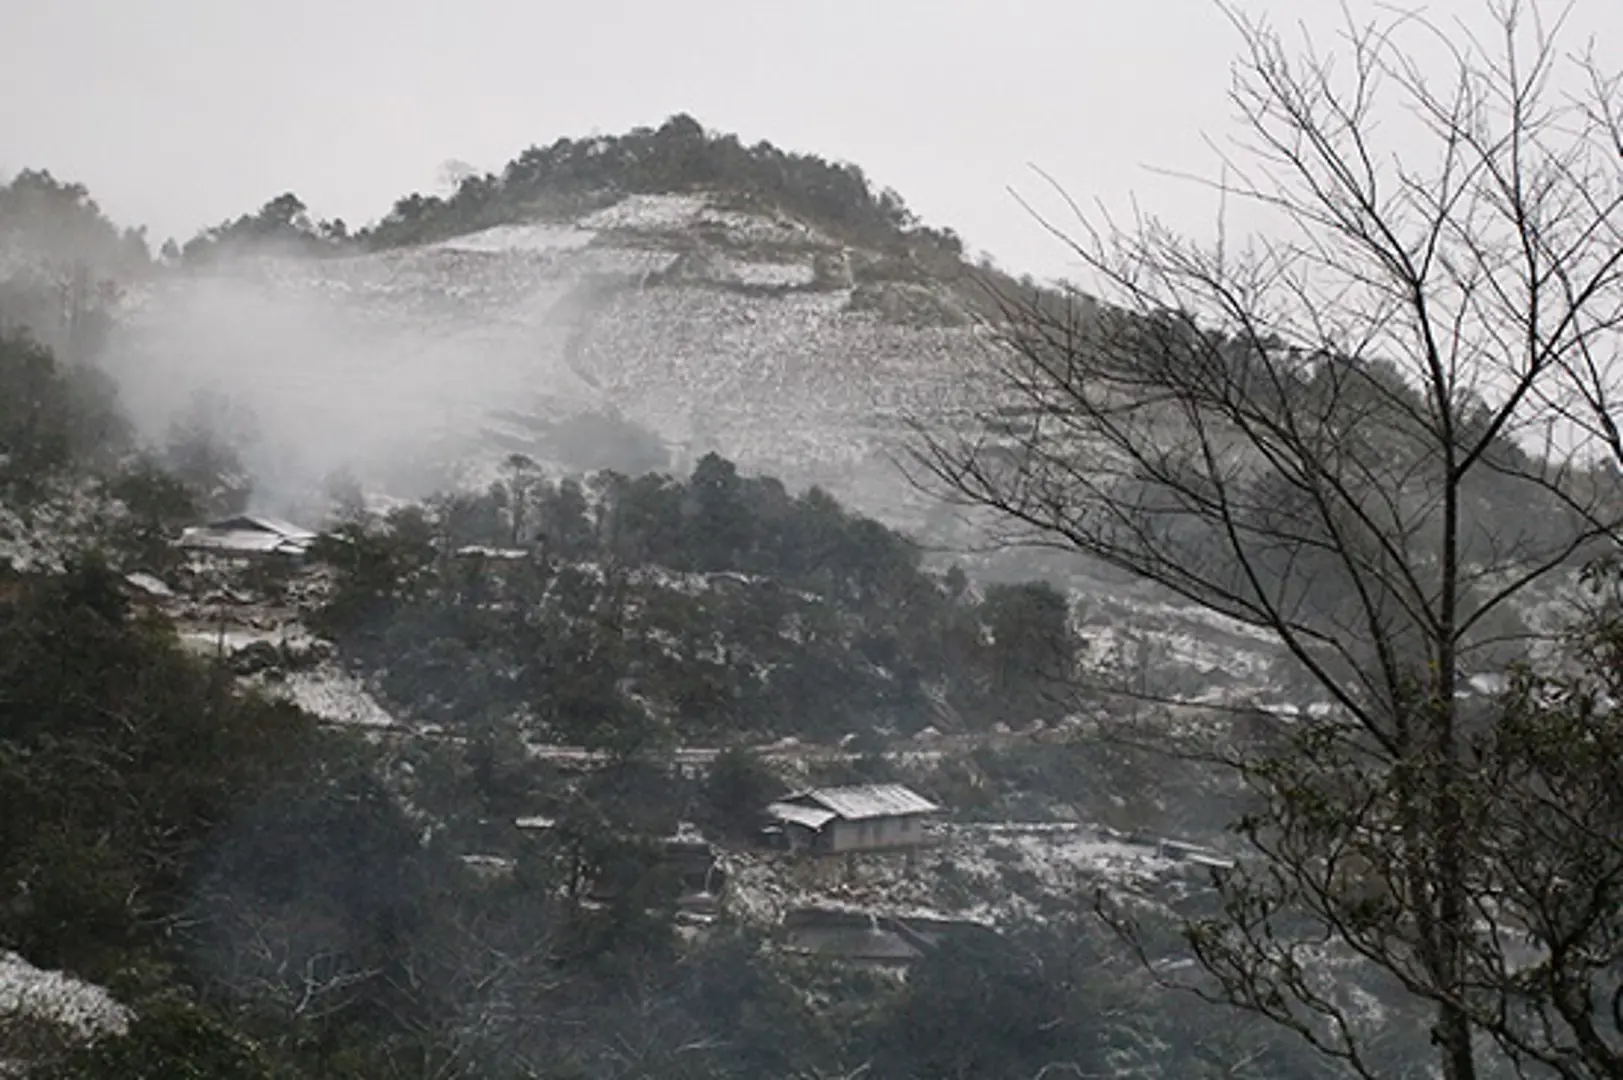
743, 331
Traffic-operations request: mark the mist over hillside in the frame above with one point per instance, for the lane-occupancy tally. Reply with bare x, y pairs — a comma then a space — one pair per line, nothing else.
708, 314
610, 653
788, 327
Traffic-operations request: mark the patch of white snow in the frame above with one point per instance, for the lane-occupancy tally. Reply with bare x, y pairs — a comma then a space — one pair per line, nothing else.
333, 695
533, 237
56, 997
648, 212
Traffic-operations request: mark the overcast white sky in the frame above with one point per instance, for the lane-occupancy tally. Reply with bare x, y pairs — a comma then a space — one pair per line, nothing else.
180, 113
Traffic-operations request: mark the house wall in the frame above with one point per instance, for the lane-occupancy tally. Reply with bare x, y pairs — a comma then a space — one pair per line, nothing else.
875, 833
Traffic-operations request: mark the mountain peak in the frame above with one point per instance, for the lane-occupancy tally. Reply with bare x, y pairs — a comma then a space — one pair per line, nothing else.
569, 177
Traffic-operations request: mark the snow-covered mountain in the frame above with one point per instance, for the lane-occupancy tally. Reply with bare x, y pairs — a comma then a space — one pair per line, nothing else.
718, 327
634, 332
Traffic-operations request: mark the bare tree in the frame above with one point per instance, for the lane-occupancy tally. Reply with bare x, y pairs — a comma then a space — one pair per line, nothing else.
1370, 431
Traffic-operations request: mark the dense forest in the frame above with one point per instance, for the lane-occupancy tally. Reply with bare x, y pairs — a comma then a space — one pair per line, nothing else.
61, 262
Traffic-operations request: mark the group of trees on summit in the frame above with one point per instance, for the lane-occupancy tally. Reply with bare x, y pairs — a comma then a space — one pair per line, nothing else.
679, 155
572, 175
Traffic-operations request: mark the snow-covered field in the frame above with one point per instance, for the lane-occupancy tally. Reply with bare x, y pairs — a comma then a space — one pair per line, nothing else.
322, 689
765, 273
521, 238
647, 213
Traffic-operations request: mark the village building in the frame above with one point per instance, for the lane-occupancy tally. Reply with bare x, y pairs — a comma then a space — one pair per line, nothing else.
248, 536
868, 817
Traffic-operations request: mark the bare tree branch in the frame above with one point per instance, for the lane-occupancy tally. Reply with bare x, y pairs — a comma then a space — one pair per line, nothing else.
1372, 431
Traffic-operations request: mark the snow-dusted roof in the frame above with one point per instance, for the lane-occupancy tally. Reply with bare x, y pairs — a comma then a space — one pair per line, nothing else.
261, 523
243, 541
250, 534
865, 801
809, 816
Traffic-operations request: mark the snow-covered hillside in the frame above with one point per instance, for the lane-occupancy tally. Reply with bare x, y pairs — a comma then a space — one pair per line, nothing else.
713, 325
749, 333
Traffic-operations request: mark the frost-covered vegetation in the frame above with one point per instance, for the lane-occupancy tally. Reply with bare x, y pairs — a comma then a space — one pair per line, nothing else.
724, 608
409, 807
246, 891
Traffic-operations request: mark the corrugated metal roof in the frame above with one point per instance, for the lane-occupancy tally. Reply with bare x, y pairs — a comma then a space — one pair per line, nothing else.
867, 801
261, 523
242, 541
809, 816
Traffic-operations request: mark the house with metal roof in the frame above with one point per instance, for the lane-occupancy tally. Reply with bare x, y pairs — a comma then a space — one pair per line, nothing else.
249, 535
867, 817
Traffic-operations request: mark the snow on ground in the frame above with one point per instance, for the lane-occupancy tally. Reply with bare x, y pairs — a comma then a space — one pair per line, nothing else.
1217, 621
987, 873
648, 213
83, 1008
1126, 643
618, 260
325, 690
680, 213
333, 695
745, 228
64, 521
765, 274
533, 237
230, 639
